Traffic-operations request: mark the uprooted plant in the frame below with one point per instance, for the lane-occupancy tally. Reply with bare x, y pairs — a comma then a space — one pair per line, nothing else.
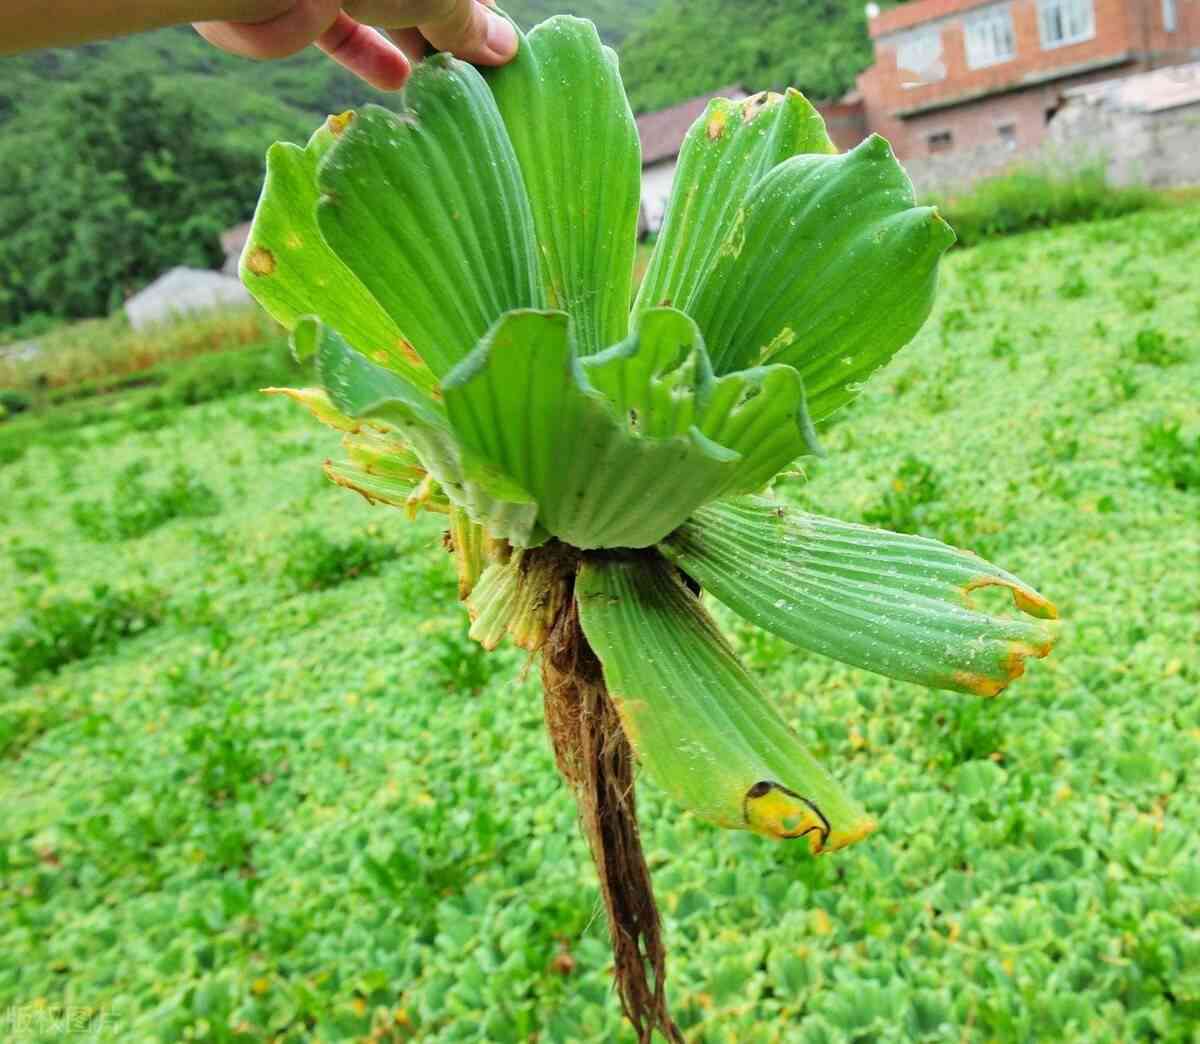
460, 275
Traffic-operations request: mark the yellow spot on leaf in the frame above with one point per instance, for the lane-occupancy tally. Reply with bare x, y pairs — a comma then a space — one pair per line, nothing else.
716, 124
732, 247
409, 352
780, 341
261, 261
293, 241
338, 124
821, 924
261, 986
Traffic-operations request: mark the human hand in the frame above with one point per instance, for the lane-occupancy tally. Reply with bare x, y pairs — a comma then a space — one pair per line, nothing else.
349, 31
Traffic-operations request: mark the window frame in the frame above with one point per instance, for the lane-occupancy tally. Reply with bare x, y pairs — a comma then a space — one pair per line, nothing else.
911, 39
1045, 7
1170, 15
945, 142
989, 16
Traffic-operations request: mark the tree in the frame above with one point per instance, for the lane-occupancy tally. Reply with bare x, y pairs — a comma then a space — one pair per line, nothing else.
108, 184
818, 47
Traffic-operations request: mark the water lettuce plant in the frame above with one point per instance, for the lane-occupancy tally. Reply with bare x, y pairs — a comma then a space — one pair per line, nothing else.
460, 275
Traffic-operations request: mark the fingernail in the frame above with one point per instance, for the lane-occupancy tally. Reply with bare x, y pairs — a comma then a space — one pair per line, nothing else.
501, 36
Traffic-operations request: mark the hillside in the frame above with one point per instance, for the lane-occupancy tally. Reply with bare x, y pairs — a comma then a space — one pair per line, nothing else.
818, 46
256, 102
135, 153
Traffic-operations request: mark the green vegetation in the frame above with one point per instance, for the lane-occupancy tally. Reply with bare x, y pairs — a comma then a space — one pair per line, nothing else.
121, 159
134, 154
87, 358
277, 810
1032, 197
107, 184
689, 47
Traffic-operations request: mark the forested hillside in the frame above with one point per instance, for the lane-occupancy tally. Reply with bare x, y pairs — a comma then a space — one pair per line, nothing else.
686, 47
120, 159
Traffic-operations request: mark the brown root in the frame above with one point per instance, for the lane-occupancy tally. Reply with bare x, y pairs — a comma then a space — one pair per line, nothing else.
595, 758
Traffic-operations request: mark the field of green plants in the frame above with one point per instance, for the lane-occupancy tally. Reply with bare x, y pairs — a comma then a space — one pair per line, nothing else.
258, 785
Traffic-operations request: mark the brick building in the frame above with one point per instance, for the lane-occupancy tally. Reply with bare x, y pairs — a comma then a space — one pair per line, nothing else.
953, 75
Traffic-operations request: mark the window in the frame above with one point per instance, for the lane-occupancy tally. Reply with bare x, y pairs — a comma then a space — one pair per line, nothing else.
1007, 133
1170, 21
921, 53
990, 37
1065, 22
941, 141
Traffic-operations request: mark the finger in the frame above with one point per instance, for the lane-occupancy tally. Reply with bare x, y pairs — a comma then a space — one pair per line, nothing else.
278, 37
474, 32
411, 42
366, 53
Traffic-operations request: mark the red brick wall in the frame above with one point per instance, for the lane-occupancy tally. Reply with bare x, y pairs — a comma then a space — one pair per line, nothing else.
1122, 27
846, 122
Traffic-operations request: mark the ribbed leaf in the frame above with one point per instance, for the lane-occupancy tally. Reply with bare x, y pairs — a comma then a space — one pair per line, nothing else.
317, 403
519, 596
888, 602
522, 409
392, 488
493, 603
694, 716
828, 267
661, 380
469, 544
726, 152
360, 389
292, 272
428, 209
571, 127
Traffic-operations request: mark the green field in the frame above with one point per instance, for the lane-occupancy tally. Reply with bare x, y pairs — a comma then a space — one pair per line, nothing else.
258, 785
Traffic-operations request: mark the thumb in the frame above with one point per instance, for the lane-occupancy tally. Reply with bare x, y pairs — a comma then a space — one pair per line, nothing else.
474, 32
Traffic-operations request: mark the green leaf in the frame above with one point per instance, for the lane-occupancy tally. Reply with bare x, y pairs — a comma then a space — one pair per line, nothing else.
469, 544
573, 133
292, 272
360, 389
519, 595
693, 715
660, 378
493, 603
725, 154
428, 209
389, 487
891, 603
522, 409
828, 267
384, 470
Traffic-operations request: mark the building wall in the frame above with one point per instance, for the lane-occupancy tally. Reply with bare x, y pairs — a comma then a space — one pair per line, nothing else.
1129, 34
846, 122
1159, 148
656, 190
